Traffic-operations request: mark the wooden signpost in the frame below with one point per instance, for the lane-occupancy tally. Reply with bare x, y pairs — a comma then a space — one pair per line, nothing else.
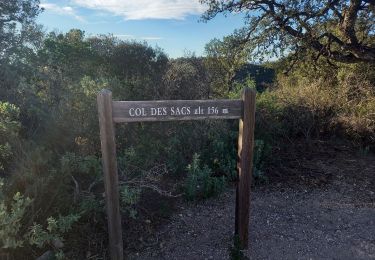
111, 112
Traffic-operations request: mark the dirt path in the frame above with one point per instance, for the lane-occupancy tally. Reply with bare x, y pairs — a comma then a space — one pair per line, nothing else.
329, 213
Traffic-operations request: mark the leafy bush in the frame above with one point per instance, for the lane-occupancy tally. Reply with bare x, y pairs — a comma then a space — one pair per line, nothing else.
200, 183
9, 128
53, 231
129, 197
261, 155
11, 221
16, 234
81, 164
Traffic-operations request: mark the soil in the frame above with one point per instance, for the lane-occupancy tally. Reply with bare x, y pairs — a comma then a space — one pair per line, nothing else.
317, 206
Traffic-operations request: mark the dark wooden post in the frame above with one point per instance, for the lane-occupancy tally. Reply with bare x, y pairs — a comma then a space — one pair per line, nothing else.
108, 145
245, 166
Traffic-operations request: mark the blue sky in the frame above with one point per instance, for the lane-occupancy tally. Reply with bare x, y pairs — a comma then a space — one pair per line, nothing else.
172, 25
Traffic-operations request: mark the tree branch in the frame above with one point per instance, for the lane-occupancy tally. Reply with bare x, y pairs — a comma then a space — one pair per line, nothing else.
309, 24
348, 24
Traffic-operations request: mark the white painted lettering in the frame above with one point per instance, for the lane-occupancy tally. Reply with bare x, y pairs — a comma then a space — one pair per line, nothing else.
153, 111
137, 111
131, 112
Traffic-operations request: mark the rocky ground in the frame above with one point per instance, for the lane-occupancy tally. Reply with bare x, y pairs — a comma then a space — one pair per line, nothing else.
321, 206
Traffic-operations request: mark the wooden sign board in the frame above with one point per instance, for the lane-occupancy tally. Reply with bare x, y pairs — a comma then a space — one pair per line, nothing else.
172, 110
111, 112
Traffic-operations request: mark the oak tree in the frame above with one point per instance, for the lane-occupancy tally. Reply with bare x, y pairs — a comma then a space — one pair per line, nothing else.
339, 30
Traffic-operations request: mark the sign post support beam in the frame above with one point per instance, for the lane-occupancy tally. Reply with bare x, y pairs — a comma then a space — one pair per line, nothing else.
245, 166
109, 162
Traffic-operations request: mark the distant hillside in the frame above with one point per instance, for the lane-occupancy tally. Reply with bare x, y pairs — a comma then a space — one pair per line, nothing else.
262, 75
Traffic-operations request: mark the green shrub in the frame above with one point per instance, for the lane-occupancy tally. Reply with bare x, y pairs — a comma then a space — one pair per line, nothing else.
261, 155
129, 197
16, 234
83, 167
9, 128
54, 230
39, 175
200, 183
220, 151
11, 221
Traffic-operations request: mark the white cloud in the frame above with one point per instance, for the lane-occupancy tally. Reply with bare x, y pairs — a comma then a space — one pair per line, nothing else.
62, 10
145, 9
